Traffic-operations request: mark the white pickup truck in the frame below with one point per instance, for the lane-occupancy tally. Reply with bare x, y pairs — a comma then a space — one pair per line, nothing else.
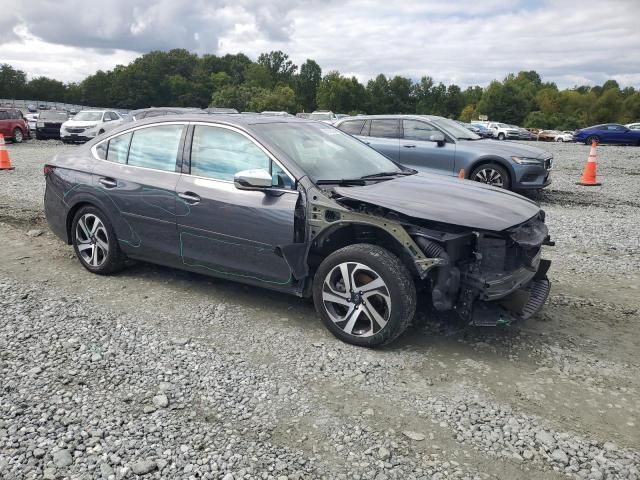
502, 131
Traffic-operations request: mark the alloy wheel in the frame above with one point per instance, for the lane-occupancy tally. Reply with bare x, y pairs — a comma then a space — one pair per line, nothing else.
92, 240
17, 135
357, 299
489, 176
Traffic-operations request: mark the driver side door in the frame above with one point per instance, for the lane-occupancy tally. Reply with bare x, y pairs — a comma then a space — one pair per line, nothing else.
226, 231
417, 151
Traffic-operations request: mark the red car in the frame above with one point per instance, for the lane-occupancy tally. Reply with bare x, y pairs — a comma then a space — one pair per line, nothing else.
13, 125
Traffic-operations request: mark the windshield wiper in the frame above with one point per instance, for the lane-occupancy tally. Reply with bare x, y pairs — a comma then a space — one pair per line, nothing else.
386, 174
341, 181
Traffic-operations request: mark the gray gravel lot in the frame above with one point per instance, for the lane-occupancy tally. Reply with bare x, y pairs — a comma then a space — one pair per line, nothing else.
155, 373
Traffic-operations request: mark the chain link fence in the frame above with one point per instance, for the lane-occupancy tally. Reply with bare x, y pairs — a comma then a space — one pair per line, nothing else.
26, 105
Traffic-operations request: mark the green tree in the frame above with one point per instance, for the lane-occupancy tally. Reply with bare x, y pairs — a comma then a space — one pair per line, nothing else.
12, 82
281, 98
279, 66
341, 94
307, 83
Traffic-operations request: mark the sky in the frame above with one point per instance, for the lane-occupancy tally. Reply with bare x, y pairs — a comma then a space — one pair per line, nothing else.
467, 42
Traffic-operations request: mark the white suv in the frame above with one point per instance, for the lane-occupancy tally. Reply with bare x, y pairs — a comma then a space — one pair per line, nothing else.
502, 131
87, 124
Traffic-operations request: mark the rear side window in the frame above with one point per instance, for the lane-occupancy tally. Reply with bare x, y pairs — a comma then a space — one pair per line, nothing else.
416, 130
155, 147
352, 127
4, 115
385, 128
220, 153
119, 148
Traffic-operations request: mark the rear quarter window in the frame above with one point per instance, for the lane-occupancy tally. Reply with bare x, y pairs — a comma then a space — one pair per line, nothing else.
352, 127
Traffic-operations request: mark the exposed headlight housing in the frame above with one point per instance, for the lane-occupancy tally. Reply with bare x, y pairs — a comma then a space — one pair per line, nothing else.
527, 160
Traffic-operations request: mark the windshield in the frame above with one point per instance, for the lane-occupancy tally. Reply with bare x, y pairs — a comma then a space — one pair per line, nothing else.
320, 116
53, 115
454, 129
326, 153
88, 117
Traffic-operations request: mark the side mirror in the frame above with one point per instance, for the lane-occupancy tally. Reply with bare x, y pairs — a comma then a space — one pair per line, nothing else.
252, 179
437, 137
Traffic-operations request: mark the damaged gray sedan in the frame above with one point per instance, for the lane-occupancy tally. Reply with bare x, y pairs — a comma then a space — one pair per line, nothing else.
299, 207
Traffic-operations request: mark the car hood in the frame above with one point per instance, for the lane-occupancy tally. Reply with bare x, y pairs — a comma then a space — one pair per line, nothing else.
80, 123
447, 200
503, 148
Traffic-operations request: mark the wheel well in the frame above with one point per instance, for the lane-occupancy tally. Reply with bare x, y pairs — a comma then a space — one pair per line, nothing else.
72, 213
336, 238
486, 161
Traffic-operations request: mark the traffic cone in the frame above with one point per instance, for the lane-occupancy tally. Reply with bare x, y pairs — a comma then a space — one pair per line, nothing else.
461, 174
589, 174
5, 161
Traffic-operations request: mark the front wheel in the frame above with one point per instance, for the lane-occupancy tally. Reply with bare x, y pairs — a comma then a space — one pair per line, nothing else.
592, 139
18, 136
364, 295
95, 243
491, 174
501, 136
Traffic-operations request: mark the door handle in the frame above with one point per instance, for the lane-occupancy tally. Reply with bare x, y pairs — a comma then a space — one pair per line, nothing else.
409, 146
108, 182
190, 197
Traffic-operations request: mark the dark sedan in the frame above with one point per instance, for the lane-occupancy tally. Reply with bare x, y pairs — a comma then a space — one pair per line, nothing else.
299, 207
608, 133
49, 123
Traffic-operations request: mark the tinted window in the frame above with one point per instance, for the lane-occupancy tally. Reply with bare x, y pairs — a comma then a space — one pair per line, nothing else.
4, 115
352, 127
384, 128
54, 116
221, 153
416, 130
119, 148
155, 147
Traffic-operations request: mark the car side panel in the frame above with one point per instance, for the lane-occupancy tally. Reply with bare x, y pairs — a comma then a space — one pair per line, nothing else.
389, 147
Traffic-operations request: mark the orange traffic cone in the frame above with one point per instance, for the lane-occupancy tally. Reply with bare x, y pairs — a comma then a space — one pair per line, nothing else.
5, 161
461, 173
589, 174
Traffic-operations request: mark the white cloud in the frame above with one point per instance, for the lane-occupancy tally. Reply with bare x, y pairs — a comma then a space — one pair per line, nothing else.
466, 42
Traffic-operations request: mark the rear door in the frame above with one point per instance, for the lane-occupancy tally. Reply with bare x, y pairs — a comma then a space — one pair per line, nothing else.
5, 124
230, 232
417, 151
383, 135
136, 183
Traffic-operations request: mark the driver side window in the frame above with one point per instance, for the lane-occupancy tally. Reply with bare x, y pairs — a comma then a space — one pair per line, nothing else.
417, 130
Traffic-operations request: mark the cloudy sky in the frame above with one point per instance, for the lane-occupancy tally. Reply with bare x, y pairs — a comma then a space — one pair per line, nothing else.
467, 42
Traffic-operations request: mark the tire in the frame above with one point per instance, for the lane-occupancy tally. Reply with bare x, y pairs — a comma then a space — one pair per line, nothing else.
491, 174
97, 239
501, 136
591, 139
370, 316
559, 140
18, 136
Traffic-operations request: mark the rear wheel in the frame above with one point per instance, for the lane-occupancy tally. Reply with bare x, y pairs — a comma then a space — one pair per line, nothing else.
18, 136
95, 243
364, 295
491, 174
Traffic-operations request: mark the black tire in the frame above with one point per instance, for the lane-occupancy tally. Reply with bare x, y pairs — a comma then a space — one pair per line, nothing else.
18, 136
396, 298
501, 136
478, 177
110, 262
591, 139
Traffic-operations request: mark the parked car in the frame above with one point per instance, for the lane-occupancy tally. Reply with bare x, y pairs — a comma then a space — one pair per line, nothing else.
49, 124
325, 116
221, 110
482, 130
564, 136
276, 113
299, 207
136, 115
13, 126
502, 131
548, 135
608, 133
524, 134
633, 126
32, 120
439, 145
87, 124
302, 115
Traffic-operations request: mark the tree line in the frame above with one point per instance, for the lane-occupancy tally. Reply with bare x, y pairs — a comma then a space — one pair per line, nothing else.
273, 82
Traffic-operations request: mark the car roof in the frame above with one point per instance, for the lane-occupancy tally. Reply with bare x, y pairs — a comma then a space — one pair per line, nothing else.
392, 116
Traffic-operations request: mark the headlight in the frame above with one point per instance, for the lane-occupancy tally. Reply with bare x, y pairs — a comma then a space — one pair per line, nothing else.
40, 124
527, 161
88, 127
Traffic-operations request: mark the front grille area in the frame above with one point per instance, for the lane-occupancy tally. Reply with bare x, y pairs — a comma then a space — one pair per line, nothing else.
75, 130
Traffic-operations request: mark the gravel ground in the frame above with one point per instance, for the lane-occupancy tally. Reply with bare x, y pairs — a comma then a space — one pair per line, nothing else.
156, 373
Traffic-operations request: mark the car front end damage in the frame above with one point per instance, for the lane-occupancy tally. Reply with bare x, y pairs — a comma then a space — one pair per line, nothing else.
487, 278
